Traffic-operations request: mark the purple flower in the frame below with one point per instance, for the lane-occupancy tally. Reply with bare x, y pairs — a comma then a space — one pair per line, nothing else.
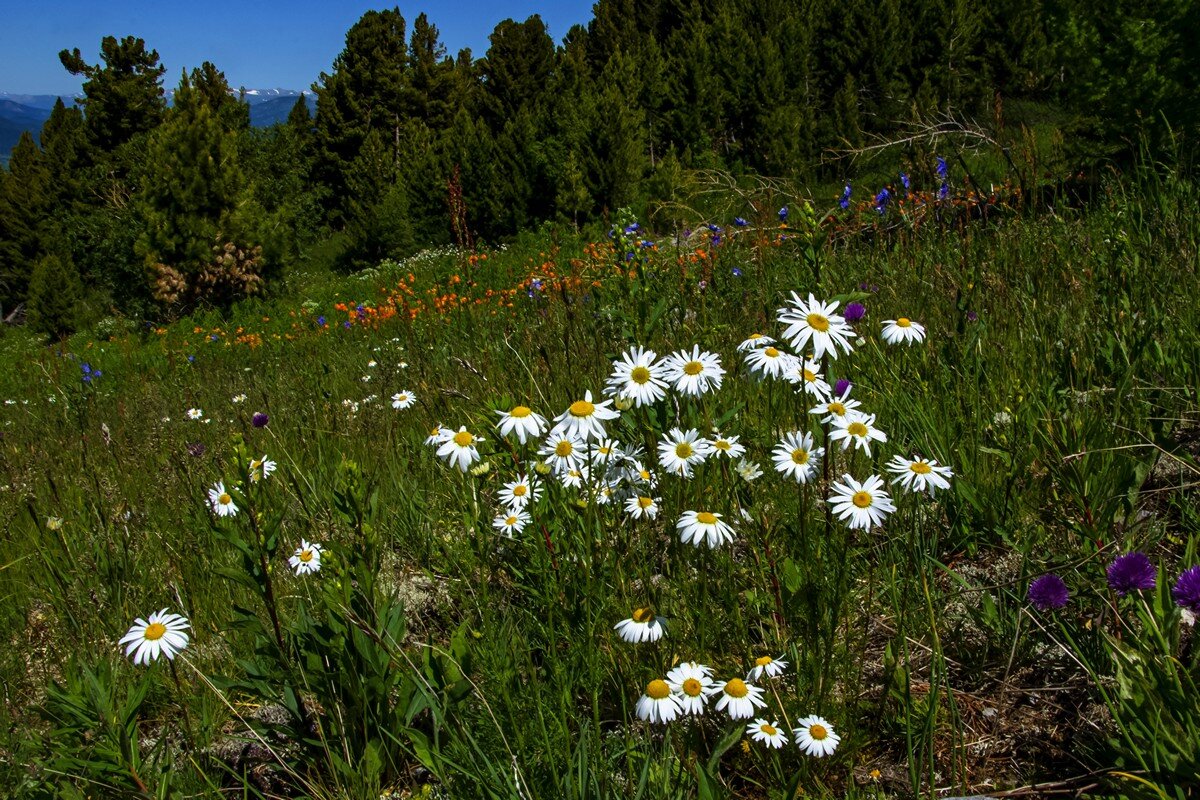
632, 228
1048, 592
1187, 590
346, 324
741, 223
881, 200
737, 272
854, 312
942, 169
1131, 572
943, 191
841, 387
716, 239
191, 359
972, 316
783, 212
259, 420
196, 449
904, 181
845, 201
88, 372
321, 321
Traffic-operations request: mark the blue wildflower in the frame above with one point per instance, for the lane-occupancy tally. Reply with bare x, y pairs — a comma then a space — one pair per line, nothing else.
942, 169
737, 272
881, 200
191, 359
845, 201
904, 181
213, 337
741, 223
321, 320
943, 191
783, 214
88, 372
346, 324
632, 228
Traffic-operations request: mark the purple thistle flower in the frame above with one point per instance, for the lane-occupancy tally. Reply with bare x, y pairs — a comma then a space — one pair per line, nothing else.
1131, 572
1187, 590
259, 420
845, 201
841, 386
854, 312
1048, 592
783, 214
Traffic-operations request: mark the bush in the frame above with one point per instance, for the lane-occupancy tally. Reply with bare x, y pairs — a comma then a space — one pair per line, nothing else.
54, 294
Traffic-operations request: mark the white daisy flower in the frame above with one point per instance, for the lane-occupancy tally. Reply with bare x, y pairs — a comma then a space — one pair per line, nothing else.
573, 478
162, 634
696, 527
605, 453
658, 704
727, 446
520, 493
221, 501
563, 452
372, 364
403, 400
678, 451
770, 362
836, 407
815, 323
585, 419
511, 521
637, 377
194, 413
755, 340
459, 449
691, 682
737, 698
438, 435
902, 331
857, 428
816, 737
795, 456
919, 474
306, 559
642, 507
863, 504
748, 470
765, 665
643, 626
694, 373
239, 398
766, 732
522, 421
636, 473
807, 375
261, 468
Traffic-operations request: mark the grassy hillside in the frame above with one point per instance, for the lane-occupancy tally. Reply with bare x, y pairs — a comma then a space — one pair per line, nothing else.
435, 655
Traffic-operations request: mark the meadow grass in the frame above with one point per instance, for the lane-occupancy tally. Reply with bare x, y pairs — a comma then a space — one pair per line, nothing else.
433, 656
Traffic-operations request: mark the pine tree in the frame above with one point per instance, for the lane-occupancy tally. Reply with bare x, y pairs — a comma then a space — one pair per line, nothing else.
66, 154
122, 97
54, 297
24, 207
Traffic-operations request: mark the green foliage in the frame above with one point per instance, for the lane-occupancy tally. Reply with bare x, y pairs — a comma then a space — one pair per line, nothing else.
54, 297
122, 96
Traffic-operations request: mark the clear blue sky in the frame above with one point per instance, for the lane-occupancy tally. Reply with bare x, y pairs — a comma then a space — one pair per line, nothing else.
257, 43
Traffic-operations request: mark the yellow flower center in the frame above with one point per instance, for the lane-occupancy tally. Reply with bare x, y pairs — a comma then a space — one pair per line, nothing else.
403, 398
581, 408
836, 408
693, 368
224, 499
705, 518
639, 375
762, 661
645, 474
810, 376
643, 615
722, 444
736, 688
463, 439
436, 431
692, 687
683, 450
862, 499
755, 337
904, 322
645, 502
817, 732
768, 729
856, 429
563, 449
771, 352
520, 412
306, 556
657, 689
154, 631
510, 521
519, 490
920, 467
817, 322
800, 456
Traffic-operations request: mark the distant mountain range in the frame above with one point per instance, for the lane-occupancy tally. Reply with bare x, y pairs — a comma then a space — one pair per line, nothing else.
27, 112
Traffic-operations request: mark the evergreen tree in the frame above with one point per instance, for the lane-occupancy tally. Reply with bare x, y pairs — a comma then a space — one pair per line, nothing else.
24, 206
54, 297
122, 97
66, 154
